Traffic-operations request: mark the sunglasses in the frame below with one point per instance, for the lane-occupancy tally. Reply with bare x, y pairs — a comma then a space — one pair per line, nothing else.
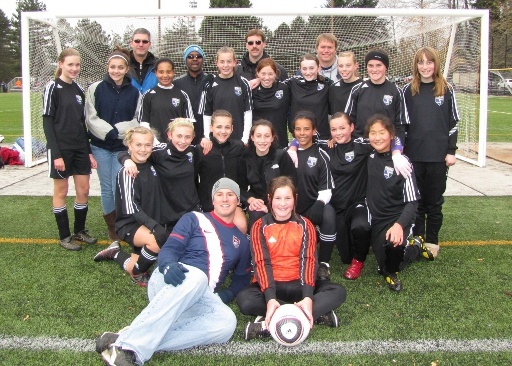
250, 43
145, 41
194, 57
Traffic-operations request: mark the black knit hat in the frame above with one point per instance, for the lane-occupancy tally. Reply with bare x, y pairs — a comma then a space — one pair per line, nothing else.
378, 55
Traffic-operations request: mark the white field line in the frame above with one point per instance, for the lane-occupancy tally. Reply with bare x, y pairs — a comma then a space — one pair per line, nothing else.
258, 347
499, 112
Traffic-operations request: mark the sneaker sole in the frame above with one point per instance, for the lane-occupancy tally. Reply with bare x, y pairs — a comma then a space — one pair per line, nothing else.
246, 330
336, 321
105, 355
434, 249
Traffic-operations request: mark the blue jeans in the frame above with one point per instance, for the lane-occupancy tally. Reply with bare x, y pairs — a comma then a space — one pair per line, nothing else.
179, 317
108, 167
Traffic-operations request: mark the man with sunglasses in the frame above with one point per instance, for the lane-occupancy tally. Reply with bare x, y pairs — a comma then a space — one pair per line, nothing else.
142, 61
255, 45
192, 83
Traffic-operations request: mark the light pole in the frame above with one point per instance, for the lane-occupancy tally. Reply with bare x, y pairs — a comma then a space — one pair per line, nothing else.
159, 28
506, 48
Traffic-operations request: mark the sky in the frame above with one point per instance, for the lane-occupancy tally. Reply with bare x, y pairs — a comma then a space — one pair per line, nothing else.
9, 6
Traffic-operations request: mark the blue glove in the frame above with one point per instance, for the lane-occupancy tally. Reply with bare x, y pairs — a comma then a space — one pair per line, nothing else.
174, 274
113, 134
316, 212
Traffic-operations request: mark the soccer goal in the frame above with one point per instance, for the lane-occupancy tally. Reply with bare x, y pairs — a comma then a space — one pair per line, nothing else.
460, 36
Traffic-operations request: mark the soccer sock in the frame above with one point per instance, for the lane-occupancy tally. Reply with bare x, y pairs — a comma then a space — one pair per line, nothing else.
80, 216
326, 246
120, 258
61, 216
146, 258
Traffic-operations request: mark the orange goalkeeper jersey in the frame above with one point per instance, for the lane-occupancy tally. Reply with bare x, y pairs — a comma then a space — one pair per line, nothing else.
283, 251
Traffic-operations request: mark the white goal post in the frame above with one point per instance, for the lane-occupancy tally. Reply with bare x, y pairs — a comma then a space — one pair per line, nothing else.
460, 36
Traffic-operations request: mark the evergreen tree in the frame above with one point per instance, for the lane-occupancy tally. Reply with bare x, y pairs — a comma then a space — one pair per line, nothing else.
94, 46
351, 4
15, 35
215, 30
7, 56
500, 48
230, 4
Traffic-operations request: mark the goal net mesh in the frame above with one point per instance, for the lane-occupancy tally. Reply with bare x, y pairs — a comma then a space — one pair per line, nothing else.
288, 37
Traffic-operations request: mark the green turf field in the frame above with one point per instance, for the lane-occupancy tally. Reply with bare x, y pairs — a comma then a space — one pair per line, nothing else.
499, 126
11, 120
60, 301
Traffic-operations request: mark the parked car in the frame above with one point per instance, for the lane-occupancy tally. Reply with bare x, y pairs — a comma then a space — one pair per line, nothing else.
505, 82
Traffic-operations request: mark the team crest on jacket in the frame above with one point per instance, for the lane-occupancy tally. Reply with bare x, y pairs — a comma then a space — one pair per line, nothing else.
388, 172
79, 99
189, 156
387, 99
320, 86
175, 102
238, 91
236, 242
439, 100
312, 161
349, 156
279, 94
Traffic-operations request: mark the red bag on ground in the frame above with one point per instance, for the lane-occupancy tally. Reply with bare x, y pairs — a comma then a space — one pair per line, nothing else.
10, 156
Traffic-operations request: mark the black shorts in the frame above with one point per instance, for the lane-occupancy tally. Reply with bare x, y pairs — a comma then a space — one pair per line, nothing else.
77, 163
127, 232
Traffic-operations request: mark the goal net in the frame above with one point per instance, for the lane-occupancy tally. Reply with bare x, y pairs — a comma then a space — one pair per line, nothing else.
459, 36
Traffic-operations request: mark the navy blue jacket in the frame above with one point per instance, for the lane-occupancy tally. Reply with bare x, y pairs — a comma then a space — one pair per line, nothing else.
110, 112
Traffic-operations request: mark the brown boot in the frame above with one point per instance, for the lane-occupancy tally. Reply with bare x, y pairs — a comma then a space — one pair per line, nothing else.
110, 220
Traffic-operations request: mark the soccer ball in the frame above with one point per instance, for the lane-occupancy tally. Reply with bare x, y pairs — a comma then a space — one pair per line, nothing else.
289, 325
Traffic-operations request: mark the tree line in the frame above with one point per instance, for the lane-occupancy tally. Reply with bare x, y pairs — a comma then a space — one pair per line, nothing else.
287, 42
